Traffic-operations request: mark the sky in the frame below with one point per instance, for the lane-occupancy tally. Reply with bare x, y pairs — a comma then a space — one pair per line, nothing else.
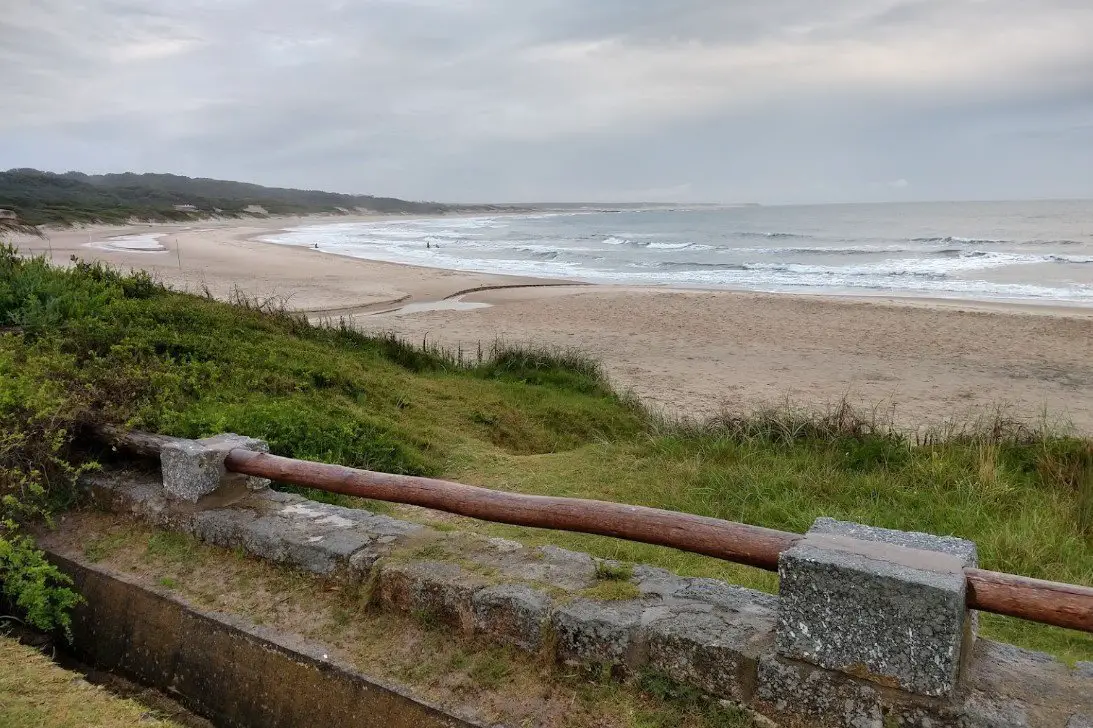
779, 101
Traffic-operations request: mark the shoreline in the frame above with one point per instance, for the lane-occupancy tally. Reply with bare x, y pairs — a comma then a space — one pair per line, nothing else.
687, 351
895, 298
258, 227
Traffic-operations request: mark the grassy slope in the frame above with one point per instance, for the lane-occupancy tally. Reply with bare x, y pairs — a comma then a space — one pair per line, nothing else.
88, 346
35, 693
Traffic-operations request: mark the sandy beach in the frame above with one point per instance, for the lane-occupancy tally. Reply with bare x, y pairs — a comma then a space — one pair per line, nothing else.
688, 351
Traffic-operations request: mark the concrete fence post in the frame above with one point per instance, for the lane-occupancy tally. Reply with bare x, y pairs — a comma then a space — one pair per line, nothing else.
883, 605
193, 469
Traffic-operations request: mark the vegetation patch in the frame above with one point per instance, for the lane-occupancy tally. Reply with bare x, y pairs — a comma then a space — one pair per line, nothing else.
87, 345
609, 571
38, 693
42, 198
612, 591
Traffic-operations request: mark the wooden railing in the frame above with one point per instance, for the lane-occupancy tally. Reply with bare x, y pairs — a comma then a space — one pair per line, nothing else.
1048, 602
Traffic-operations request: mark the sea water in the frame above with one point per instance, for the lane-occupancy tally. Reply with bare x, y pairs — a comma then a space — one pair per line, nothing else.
1039, 251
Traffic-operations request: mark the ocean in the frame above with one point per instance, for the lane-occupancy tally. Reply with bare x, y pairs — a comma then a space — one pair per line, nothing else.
1040, 251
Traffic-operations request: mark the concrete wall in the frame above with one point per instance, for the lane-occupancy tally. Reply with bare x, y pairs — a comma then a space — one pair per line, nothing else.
233, 673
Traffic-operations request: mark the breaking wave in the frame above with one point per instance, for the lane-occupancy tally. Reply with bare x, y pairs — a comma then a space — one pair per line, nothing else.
700, 248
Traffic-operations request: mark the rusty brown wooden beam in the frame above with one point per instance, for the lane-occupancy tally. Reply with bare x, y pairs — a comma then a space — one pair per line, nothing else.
1050, 602
738, 542
1062, 605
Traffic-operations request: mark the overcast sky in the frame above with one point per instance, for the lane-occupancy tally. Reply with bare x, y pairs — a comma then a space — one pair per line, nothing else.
516, 100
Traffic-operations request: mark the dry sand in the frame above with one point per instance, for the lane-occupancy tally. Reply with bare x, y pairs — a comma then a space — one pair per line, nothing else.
690, 352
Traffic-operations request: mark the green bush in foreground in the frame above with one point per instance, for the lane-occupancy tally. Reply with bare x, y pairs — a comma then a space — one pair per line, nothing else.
87, 345
33, 585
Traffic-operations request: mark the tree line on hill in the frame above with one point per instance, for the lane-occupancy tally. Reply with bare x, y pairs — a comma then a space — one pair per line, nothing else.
41, 198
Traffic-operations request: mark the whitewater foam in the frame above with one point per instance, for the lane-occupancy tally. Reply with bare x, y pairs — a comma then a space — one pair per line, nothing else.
887, 253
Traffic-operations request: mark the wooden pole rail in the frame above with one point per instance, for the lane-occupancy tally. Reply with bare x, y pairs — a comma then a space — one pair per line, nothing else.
1048, 602
1062, 605
738, 542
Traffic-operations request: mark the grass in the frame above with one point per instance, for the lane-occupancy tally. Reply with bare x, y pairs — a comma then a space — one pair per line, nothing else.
612, 591
608, 571
490, 668
88, 345
35, 693
102, 547
172, 546
613, 583
1016, 491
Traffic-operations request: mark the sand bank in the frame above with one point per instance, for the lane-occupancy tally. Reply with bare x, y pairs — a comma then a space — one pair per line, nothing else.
690, 352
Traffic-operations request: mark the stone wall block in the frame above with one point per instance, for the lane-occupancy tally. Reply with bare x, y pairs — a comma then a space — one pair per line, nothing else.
713, 649
798, 689
598, 633
195, 468
884, 605
431, 590
513, 613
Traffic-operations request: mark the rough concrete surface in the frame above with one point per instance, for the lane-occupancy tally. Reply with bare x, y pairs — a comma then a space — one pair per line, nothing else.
981, 711
547, 566
876, 603
513, 613
794, 688
598, 633
710, 648
961, 548
1047, 691
280, 527
433, 590
195, 468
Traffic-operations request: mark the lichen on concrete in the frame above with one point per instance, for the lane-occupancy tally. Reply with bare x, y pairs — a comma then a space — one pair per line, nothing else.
983, 711
794, 688
884, 605
710, 648
433, 590
598, 633
512, 613
280, 527
1048, 691
714, 636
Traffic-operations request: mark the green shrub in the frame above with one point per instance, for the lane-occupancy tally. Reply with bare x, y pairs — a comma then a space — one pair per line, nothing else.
33, 585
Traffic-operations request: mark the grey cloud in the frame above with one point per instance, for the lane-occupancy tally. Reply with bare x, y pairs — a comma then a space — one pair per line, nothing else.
787, 100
